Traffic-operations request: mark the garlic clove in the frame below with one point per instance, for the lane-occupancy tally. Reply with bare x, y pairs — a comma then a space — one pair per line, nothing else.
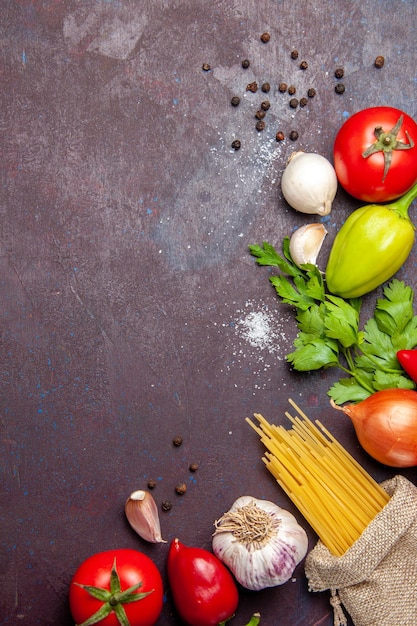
306, 243
142, 514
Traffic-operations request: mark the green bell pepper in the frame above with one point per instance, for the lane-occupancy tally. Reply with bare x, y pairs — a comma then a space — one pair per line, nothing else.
370, 247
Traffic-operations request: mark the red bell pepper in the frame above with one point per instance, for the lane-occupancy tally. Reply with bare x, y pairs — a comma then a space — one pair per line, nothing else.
203, 589
408, 361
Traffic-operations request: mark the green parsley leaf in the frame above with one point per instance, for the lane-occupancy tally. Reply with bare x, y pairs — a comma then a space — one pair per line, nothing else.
395, 311
342, 321
329, 328
312, 353
267, 255
312, 320
289, 294
347, 390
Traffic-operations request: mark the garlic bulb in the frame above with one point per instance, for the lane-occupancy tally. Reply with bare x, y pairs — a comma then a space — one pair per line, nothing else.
142, 514
309, 183
259, 542
306, 242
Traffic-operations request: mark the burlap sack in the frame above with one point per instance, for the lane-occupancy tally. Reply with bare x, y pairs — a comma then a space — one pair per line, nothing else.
376, 579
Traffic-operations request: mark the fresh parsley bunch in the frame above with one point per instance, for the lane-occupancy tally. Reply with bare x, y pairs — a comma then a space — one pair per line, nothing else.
329, 328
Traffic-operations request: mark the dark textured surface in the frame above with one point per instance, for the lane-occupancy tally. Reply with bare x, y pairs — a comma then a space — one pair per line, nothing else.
131, 310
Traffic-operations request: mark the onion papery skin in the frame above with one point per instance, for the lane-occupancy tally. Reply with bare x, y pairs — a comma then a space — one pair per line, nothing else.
386, 426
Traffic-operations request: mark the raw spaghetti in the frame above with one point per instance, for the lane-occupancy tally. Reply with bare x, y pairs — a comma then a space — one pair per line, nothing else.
330, 488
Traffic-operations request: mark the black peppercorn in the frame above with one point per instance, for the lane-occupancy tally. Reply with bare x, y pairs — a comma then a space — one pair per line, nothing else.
293, 103
282, 87
291, 90
253, 87
280, 136
265, 37
235, 101
311, 92
265, 105
151, 484
303, 65
206, 67
379, 61
177, 440
339, 73
260, 125
265, 87
245, 64
236, 144
303, 102
293, 135
181, 488
294, 54
260, 114
340, 88
193, 467
166, 505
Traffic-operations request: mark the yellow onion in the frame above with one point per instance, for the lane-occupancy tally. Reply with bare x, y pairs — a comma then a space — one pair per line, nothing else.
386, 426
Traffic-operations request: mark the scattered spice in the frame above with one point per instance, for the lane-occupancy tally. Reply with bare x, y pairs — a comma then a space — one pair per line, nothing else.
311, 92
291, 90
293, 135
265, 87
303, 102
265, 105
181, 488
236, 144
235, 101
151, 484
193, 467
339, 72
260, 125
303, 65
379, 61
265, 37
206, 67
260, 114
294, 54
282, 87
177, 440
245, 64
253, 87
280, 136
293, 103
166, 505
340, 88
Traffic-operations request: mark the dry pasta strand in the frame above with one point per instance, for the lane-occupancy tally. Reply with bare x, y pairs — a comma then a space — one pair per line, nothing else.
334, 493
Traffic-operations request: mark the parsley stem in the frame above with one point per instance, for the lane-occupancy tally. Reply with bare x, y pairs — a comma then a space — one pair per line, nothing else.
358, 379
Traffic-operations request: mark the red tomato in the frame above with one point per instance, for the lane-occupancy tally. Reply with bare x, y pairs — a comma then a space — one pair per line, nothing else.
203, 589
98, 586
375, 154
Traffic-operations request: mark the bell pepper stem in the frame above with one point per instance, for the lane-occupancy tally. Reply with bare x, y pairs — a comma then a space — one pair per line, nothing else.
402, 205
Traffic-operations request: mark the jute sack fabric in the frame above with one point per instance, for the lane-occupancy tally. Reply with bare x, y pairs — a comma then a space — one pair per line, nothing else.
376, 579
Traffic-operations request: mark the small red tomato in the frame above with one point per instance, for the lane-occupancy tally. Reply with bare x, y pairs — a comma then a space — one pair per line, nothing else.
203, 589
375, 154
116, 587
408, 361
